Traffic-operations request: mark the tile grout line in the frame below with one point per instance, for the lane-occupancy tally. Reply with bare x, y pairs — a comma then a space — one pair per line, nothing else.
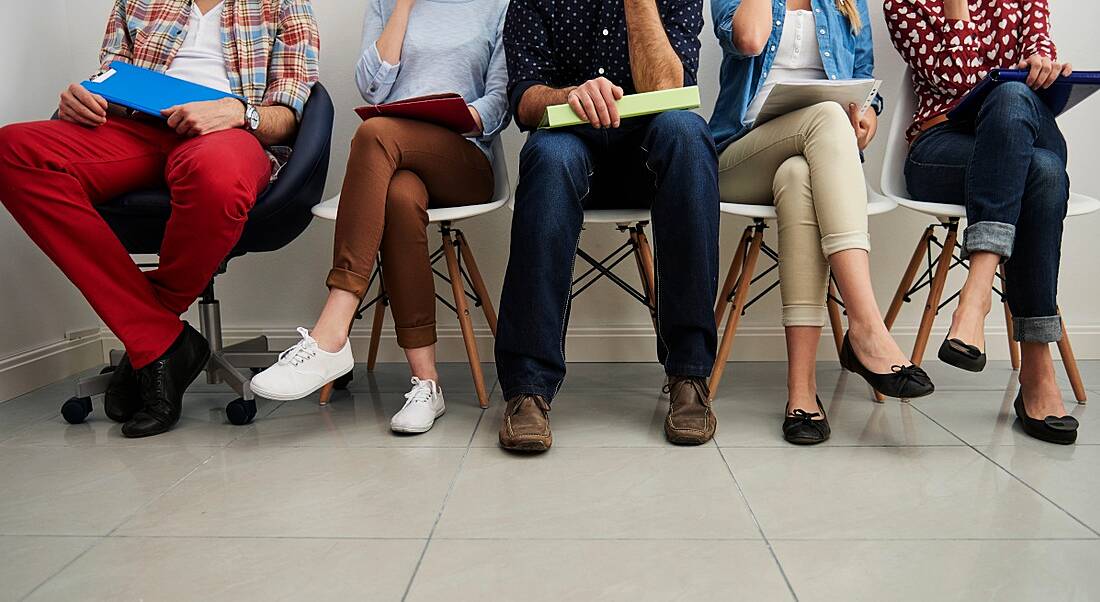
759, 528
450, 490
1010, 473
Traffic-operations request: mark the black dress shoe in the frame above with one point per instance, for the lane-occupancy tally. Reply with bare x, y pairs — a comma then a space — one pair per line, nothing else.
904, 382
1051, 429
962, 355
122, 400
163, 382
801, 428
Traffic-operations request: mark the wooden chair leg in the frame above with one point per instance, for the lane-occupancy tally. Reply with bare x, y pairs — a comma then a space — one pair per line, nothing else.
1013, 346
1065, 349
744, 281
479, 284
731, 277
376, 330
464, 320
835, 321
935, 293
326, 393
643, 256
909, 276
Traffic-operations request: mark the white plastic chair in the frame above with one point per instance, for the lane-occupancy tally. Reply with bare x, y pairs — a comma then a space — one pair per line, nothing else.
461, 267
937, 268
742, 275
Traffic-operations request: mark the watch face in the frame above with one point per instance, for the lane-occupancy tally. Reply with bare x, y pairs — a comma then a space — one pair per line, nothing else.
253, 116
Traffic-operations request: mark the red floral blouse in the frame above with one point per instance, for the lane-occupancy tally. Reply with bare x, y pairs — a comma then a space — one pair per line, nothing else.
948, 56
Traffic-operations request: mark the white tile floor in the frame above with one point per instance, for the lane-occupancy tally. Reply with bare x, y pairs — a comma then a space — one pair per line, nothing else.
943, 499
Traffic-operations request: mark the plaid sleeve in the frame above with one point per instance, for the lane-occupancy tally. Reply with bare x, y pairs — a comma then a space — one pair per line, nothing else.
294, 56
116, 42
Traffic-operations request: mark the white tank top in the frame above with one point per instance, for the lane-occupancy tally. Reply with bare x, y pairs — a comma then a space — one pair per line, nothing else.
201, 58
798, 58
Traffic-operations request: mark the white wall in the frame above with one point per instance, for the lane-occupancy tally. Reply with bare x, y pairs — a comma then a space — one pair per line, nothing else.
605, 324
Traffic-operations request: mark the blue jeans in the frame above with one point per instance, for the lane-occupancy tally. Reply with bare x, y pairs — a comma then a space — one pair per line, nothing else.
1008, 166
666, 163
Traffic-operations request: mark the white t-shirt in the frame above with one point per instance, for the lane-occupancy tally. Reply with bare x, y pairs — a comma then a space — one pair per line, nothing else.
201, 58
798, 58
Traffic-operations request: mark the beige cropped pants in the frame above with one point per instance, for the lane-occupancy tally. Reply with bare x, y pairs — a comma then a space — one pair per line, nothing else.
807, 163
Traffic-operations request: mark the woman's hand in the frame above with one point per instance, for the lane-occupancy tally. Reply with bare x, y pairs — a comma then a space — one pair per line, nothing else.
865, 125
477, 119
1042, 71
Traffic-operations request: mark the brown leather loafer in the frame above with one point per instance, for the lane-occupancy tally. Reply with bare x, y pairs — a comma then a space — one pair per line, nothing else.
690, 419
526, 424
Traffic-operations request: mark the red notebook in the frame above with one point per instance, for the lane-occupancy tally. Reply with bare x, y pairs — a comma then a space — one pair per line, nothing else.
446, 110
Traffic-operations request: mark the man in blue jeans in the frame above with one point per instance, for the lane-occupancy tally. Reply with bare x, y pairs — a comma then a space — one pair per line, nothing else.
589, 54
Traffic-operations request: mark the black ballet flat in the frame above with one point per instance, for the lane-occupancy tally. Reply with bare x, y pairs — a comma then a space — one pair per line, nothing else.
962, 355
904, 382
800, 428
1051, 429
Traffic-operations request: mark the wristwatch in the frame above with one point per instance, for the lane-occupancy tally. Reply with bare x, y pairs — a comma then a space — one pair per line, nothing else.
251, 117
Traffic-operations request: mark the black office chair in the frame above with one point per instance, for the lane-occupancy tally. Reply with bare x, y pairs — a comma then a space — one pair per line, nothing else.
279, 216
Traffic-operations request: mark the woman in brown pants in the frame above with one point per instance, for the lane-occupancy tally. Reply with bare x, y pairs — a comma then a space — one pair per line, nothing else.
398, 169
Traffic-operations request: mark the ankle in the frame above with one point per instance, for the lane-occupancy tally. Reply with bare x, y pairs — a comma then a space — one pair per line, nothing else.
330, 342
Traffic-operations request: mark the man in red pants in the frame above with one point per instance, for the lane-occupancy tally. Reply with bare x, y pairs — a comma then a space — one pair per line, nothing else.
210, 155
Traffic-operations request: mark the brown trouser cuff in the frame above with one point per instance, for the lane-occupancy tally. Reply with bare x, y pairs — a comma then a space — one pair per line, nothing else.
348, 281
416, 337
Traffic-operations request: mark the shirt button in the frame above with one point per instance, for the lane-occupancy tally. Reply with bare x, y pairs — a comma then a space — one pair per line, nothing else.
600, 70
605, 32
772, 48
834, 77
827, 53
822, 31
778, 22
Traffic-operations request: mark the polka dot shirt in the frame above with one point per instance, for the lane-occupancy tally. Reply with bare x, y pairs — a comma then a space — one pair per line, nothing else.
562, 43
949, 56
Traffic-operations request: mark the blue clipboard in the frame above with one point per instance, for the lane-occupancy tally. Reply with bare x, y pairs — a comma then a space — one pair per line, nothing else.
147, 91
1062, 96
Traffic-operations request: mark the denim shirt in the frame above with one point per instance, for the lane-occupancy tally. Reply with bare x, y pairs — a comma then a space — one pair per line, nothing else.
844, 54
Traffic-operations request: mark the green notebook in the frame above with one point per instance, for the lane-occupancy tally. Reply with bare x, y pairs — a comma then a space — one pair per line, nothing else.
631, 105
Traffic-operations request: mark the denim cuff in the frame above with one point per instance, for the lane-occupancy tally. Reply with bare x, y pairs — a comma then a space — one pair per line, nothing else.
688, 370
805, 315
543, 392
1047, 329
993, 237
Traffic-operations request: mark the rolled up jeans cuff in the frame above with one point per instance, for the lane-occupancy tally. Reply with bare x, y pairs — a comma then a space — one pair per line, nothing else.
1046, 329
347, 280
415, 337
992, 237
832, 244
805, 315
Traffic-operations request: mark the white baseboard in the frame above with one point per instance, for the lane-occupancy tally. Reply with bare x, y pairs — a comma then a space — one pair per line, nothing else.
36, 368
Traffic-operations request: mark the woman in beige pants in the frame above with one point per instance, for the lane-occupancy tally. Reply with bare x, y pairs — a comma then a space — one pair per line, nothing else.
808, 164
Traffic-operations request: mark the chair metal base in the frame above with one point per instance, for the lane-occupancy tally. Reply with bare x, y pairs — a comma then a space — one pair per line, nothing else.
230, 365
937, 266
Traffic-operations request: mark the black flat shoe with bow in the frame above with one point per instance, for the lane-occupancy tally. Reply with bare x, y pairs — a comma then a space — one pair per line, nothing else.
1052, 429
802, 428
962, 355
904, 382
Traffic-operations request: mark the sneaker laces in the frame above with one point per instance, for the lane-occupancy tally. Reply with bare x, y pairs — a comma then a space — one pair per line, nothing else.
421, 392
304, 350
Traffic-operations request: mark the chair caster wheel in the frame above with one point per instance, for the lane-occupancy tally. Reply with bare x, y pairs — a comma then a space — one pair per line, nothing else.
342, 383
76, 410
240, 411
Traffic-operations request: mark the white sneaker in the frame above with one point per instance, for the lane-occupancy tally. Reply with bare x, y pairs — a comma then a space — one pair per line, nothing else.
302, 369
423, 404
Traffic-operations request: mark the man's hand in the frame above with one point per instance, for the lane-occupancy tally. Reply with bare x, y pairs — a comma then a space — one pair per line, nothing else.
865, 125
201, 118
477, 119
81, 107
1043, 72
594, 101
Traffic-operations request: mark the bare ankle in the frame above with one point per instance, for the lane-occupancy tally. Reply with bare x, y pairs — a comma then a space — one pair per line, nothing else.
329, 341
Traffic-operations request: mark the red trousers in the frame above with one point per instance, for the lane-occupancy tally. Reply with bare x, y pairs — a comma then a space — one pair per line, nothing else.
53, 173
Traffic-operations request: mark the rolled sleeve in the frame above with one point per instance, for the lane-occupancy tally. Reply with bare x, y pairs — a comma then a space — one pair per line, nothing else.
116, 40
683, 21
493, 105
374, 76
528, 51
294, 57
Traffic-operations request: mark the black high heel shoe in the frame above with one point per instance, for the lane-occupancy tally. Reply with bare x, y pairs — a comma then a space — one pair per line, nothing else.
1051, 429
800, 428
962, 355
904, 382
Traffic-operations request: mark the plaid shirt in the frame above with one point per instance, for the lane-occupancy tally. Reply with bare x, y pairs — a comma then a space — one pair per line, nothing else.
271, 46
